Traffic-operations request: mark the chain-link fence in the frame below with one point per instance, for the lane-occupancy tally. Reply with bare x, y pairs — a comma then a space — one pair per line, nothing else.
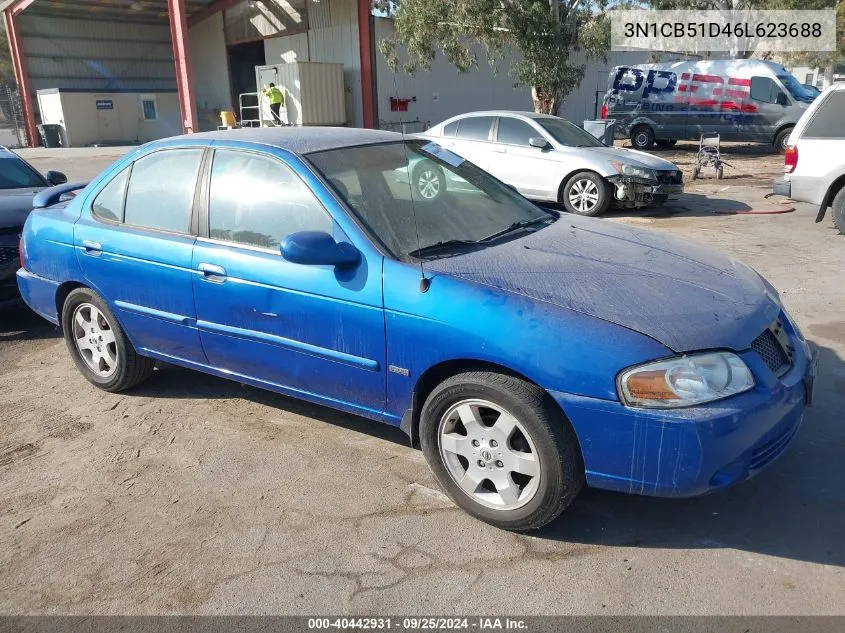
12, 126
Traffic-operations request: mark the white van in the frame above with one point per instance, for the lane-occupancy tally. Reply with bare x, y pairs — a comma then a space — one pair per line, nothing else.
814, 162
741, 99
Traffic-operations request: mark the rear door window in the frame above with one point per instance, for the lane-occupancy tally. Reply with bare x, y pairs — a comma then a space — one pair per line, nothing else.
258, 201
515, 132
108, 205
829, 118
476, 128
161, 190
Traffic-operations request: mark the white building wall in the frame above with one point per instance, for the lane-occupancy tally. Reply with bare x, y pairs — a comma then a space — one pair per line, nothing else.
210, 70
443, 92
85, 125
337, 43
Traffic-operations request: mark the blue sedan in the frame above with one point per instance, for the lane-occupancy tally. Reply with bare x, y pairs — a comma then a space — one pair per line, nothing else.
529, 352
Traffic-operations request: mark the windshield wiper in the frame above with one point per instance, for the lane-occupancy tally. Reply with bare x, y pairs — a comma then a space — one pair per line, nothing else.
440, 246
515, 227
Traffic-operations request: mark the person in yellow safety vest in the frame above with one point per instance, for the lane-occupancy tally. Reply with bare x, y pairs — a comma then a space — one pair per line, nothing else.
277, 99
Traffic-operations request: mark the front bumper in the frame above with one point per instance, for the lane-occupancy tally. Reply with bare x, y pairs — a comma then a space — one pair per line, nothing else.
9, 263
693, 451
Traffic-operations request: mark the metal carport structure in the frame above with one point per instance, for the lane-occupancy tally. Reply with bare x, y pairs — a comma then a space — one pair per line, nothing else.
120, 19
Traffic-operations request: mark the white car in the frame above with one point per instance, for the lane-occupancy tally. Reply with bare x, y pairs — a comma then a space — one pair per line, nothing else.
549, 159
814, 161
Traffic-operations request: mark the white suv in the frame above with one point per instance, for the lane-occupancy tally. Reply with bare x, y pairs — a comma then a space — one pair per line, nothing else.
814, 161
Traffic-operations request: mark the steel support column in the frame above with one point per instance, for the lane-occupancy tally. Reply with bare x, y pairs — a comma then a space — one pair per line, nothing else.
21, 75
181, 57
367, 51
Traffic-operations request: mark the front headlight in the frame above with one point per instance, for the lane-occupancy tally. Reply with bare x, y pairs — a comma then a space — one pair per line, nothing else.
685, 381
632, 170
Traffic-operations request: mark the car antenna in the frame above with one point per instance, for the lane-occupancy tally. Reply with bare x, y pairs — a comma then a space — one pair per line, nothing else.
425, 282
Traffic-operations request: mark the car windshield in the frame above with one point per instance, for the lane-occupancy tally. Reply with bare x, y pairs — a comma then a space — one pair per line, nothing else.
421, 201
567, 133
15, 174
795, 88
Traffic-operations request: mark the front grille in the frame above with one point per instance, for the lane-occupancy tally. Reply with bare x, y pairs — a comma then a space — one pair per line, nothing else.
8, 254
670, 177
769, 349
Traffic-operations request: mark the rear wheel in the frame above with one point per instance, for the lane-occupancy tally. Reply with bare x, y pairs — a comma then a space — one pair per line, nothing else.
429, 181
838, 208
642, 137
781, 140
98, 345
501, 450
585, 193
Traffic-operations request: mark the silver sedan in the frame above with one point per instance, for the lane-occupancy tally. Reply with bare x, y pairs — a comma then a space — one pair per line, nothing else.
549, 159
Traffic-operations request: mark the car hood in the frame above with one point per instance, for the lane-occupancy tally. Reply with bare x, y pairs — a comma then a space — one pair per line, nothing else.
685, 296
15, 205
632, 156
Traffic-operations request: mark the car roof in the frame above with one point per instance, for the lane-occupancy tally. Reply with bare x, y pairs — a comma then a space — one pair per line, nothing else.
522, 113
300, 140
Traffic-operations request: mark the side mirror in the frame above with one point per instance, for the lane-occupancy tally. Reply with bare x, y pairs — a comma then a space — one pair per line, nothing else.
316, 248
56, 178
539, 142
781, 99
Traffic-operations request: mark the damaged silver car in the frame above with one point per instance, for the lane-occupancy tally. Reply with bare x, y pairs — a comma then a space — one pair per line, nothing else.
549, 159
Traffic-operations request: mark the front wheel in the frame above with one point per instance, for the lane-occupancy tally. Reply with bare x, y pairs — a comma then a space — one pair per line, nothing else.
98, 345
585, 193
501, 450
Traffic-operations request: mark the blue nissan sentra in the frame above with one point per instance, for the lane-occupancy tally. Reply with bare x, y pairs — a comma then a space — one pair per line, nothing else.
528, 352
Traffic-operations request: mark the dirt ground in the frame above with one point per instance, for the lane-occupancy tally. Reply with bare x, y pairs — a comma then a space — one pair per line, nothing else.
192, 494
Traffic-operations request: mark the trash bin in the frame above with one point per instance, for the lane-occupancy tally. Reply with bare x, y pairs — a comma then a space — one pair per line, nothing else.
51, 134
602, 129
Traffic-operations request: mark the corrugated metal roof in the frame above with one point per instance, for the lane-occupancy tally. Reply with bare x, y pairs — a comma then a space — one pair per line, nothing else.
117, 10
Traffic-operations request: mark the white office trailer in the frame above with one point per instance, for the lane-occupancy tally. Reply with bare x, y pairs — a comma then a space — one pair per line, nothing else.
109, 118
314, 92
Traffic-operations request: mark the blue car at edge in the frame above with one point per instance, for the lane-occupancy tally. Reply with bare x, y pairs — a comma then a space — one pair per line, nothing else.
528, 352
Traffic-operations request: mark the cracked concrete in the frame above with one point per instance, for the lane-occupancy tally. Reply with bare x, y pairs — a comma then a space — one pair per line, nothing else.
191, 494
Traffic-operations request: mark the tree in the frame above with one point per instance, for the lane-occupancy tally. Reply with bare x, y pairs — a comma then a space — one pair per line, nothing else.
815, 59
541, 34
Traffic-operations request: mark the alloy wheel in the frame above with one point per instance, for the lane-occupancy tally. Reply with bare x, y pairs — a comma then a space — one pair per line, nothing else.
95, 340
584, 195
428, 184
489, 454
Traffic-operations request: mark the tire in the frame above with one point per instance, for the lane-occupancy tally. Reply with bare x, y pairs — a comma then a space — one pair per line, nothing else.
87, 318
838, 209
429, 181
665, 144
486, 401
781, 139
585, 193
642, 137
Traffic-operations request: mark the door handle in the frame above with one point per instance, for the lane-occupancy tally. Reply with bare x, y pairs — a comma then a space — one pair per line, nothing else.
212, 272
92, 248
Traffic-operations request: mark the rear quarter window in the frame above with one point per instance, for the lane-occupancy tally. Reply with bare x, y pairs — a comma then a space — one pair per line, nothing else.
828, 121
